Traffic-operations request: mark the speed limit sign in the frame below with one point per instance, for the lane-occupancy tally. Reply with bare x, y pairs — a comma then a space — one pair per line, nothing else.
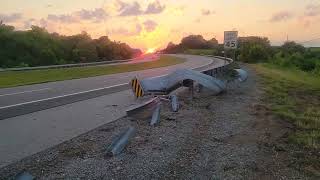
230, 39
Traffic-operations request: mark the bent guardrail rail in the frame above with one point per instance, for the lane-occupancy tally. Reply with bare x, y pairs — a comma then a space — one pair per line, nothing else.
168, 83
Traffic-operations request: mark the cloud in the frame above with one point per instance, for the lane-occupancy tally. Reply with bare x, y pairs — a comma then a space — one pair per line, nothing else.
281, 16
133, 9
96, 15
126, 32
150, 25
312, 10
206, 12
62, 18
308, 21
8, 18
28, 23
155, 8
177, 11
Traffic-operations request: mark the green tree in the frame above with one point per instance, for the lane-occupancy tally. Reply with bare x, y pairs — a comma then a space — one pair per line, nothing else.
291, 47
254, 49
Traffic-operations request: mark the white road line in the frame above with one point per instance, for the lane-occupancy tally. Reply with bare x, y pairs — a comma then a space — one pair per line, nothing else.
14, 105
23, 92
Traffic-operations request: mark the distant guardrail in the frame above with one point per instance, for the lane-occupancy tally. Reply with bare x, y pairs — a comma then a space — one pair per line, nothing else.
65, 66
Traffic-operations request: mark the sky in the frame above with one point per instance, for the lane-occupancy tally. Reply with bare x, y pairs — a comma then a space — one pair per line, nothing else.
147, 24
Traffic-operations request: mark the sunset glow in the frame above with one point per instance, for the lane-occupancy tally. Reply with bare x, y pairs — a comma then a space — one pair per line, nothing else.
144, 24
150, 50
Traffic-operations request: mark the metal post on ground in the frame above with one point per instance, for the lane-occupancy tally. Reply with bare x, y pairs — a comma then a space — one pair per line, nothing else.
156, 115
174, 103
199, 88
225, 57
121, 141
191, 89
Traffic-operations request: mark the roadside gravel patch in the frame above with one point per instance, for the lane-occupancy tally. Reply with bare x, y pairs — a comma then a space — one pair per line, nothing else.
230, 136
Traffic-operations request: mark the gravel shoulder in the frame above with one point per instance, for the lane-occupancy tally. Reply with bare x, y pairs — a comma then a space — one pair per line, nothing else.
230, 136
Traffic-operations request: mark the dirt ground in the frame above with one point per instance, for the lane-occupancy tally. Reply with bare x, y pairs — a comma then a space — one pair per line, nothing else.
229, 136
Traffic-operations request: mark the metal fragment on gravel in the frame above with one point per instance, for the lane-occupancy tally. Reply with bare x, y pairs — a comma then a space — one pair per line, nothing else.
121, 141
174, 103
24, 176
242, 75
156, 115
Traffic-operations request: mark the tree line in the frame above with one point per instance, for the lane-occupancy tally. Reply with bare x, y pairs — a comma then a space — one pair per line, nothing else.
254, 49
38, 47
289, 55
191, 42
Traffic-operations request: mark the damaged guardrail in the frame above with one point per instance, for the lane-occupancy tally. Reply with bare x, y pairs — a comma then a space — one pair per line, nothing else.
160, 88
170, 82
163, 85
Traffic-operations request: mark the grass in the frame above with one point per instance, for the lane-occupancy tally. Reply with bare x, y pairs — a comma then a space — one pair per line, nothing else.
202, 52
315, 49
295, 96
19, 78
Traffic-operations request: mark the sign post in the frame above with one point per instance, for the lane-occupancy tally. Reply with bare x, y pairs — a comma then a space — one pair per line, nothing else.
230, 42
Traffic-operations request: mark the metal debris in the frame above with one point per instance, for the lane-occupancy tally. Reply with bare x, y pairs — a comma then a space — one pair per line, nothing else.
242, 75
174, 103
170, 82
121, 141
156, 115
24, 176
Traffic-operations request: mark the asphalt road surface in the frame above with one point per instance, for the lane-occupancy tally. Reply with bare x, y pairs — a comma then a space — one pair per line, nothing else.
28, 134
23, 94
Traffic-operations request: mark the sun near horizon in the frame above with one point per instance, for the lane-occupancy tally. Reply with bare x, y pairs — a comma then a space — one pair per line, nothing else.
150, 50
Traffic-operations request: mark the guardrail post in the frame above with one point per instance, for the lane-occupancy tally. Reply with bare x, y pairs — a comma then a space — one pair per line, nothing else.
120, 142
174, 103
156, 115
199, 88
191, 89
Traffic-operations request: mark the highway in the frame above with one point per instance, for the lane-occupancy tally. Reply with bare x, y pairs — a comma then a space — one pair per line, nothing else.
23, 94
25, 135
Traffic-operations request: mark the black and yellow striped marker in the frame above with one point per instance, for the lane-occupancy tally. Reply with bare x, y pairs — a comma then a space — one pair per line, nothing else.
137, 88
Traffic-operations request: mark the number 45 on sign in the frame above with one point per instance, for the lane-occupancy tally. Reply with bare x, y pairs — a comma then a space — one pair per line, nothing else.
230, 39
